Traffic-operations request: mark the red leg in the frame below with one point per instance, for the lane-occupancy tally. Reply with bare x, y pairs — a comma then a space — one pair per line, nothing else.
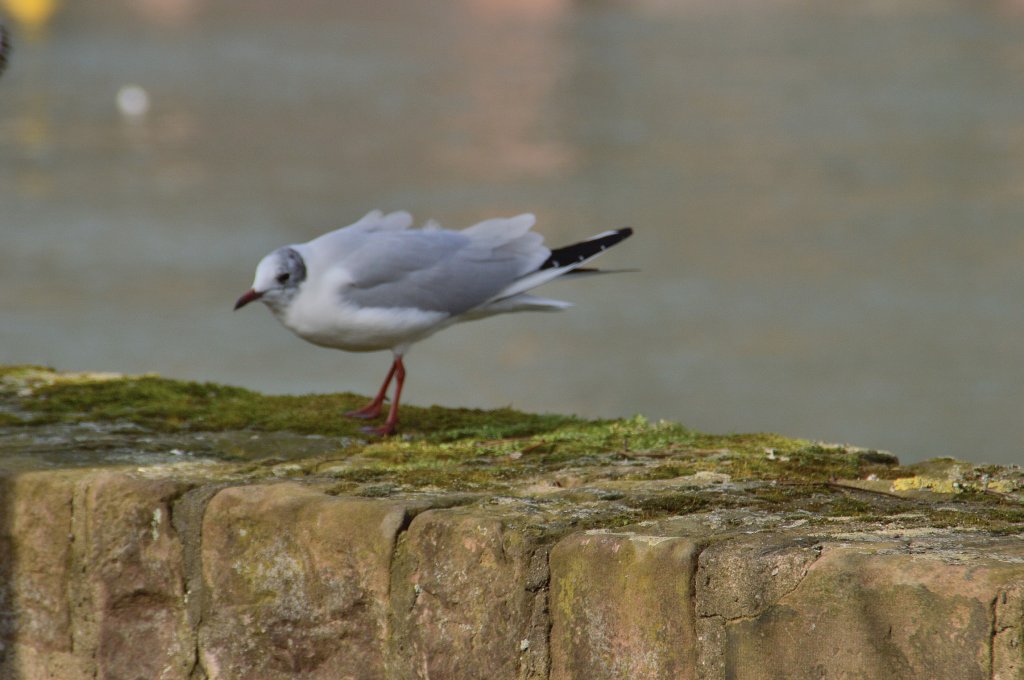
373, 409
391, 423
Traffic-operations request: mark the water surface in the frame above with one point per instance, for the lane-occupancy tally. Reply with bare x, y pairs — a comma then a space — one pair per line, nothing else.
828, 199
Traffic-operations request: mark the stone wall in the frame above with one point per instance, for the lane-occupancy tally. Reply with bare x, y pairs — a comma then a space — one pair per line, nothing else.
165, 537
148, 574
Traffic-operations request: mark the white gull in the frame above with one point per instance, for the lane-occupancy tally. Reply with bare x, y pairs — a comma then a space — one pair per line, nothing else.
377, 284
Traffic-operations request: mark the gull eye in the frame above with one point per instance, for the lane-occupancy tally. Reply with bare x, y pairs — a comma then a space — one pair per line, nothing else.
282, 278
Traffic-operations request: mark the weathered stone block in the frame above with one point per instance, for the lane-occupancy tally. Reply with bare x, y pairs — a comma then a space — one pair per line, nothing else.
91, 573
1008, 632
468, 597
35, 563
128, 593
296, 583
622, 607
914, 609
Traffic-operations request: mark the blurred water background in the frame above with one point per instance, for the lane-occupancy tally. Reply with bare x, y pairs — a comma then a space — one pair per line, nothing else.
828, 198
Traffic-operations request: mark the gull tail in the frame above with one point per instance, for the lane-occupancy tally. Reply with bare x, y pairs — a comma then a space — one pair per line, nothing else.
565, 261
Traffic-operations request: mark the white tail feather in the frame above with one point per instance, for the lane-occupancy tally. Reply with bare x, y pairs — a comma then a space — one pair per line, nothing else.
516, 303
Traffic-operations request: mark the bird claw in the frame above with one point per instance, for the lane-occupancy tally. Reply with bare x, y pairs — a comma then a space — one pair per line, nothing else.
385, 430
364, 413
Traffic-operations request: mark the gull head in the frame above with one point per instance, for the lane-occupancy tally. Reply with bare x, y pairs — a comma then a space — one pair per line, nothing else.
278, 278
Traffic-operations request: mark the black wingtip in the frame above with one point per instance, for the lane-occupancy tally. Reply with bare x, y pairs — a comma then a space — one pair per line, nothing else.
584, 250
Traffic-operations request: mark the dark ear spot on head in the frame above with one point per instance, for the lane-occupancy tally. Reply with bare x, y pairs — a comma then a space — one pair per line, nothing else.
295, 268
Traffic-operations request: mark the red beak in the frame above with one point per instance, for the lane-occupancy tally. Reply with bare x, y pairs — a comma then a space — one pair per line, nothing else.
247, 297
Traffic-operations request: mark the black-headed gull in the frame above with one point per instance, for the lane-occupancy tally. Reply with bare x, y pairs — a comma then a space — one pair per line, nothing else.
377, 284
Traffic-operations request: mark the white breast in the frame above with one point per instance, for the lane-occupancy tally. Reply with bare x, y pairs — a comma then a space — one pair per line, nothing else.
321, 316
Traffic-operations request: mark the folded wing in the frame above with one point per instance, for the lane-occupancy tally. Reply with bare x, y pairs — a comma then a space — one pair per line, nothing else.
437, 269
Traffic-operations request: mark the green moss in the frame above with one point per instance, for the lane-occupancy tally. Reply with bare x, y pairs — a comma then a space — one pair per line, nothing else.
453, 448
796, 461
23, 371
10, 420
605, 473
427, 474
996, 521
669, 504
667, 471
170, 405
824, 501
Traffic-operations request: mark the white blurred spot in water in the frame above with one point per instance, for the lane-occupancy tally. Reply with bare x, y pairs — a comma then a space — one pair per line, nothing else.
132, 101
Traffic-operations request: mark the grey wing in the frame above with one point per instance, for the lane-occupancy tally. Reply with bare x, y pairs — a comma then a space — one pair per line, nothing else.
335, 245
434, 270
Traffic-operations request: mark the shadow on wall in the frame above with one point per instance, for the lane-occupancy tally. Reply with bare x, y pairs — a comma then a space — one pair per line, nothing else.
8, 593
35, 564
